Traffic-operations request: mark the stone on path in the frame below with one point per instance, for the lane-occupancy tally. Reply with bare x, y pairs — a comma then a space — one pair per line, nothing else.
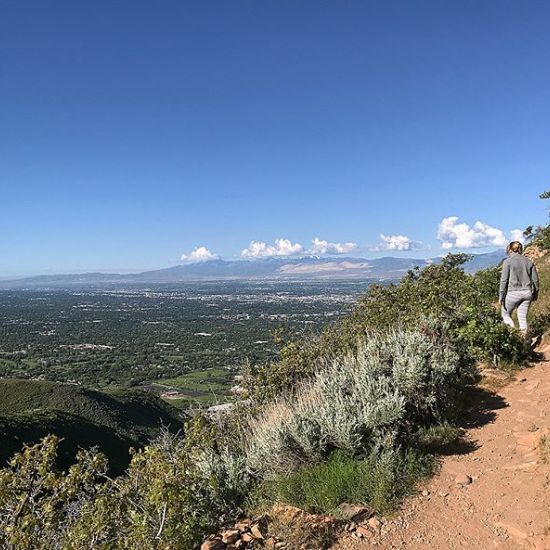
463, 479
215, 544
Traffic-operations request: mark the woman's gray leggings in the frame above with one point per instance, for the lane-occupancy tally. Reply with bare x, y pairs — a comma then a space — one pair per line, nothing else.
520, 299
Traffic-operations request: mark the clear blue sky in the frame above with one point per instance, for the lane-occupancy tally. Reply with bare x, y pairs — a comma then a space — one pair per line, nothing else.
132, 132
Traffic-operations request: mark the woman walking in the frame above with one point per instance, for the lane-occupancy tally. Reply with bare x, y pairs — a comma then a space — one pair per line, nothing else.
519, 285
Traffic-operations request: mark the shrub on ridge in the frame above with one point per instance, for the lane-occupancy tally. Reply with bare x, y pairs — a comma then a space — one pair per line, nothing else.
359, 403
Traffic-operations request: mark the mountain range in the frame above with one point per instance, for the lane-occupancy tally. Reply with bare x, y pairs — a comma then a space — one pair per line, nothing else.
308, 267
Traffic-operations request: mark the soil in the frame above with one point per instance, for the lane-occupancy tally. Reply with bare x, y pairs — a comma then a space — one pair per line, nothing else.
493, 489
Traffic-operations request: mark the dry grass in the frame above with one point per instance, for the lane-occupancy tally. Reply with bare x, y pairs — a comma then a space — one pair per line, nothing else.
302, 531
544, 449
495, 379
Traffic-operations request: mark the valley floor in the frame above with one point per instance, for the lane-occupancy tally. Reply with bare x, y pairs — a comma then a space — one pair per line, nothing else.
494, 491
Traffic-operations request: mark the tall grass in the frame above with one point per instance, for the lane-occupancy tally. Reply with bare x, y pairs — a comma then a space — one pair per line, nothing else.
378, 480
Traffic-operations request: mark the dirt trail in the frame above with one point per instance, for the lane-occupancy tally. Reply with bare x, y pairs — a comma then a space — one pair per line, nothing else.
507, 504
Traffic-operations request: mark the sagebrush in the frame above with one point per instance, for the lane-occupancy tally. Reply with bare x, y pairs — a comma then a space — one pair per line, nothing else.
361, 402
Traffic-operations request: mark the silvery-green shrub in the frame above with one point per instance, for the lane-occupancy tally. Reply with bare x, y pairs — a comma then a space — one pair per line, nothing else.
363, 401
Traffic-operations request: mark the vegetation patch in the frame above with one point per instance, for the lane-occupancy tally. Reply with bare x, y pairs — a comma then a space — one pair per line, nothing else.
81, 418
203, 387
377, 480
544, 449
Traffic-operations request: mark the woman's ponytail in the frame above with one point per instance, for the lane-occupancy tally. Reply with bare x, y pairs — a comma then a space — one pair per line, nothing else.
514, 246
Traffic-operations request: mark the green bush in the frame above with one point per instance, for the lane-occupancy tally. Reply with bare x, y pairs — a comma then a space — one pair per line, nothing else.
376, 480
540, 323
171, 495
361, 402
441, 292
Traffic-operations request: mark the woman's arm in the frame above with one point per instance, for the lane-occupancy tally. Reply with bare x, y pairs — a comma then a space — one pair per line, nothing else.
504, 282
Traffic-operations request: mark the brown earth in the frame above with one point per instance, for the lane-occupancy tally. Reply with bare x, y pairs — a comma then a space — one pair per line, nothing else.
503, 501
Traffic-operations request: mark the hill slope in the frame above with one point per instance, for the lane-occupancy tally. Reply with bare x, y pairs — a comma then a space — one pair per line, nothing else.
84, 418
492, 490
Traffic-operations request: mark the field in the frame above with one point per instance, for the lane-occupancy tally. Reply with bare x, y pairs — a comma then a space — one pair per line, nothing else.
185, 342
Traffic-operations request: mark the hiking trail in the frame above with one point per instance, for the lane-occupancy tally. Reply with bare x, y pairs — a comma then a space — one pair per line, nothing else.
493, 490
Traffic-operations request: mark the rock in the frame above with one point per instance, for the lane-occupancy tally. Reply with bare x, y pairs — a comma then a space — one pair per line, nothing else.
353, 512
259, 530
425, 493
512, 530
374, 523
256, 533
231, 536
247, 537
463, 479
243, 525
215, 544
363, 532
529, 441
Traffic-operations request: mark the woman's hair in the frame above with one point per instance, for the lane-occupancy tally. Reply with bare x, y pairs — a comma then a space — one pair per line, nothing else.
514, 246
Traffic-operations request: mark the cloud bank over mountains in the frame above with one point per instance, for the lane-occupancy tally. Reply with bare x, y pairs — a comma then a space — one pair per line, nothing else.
397, 242
451, 233
318, 246
200, 254
285, 247
281, 247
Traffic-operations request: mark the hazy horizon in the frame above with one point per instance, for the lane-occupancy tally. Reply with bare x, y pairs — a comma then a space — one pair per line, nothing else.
328, 258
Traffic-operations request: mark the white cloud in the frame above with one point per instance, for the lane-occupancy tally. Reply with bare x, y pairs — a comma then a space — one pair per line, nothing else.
461, 235
281, 247
397, 242
517, 235
320, 246
200, 254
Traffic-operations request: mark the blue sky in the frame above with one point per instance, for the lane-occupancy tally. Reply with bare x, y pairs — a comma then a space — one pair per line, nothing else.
132, 132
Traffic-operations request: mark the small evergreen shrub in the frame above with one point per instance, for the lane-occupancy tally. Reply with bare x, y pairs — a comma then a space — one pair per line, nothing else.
174, 492
436, 437
360, 403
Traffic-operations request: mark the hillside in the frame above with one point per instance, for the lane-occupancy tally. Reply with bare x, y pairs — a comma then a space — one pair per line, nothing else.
492, 488
114, 422
541, 308
360, 413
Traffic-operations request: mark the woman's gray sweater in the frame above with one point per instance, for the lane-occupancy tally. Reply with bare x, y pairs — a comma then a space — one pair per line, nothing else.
518, 273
